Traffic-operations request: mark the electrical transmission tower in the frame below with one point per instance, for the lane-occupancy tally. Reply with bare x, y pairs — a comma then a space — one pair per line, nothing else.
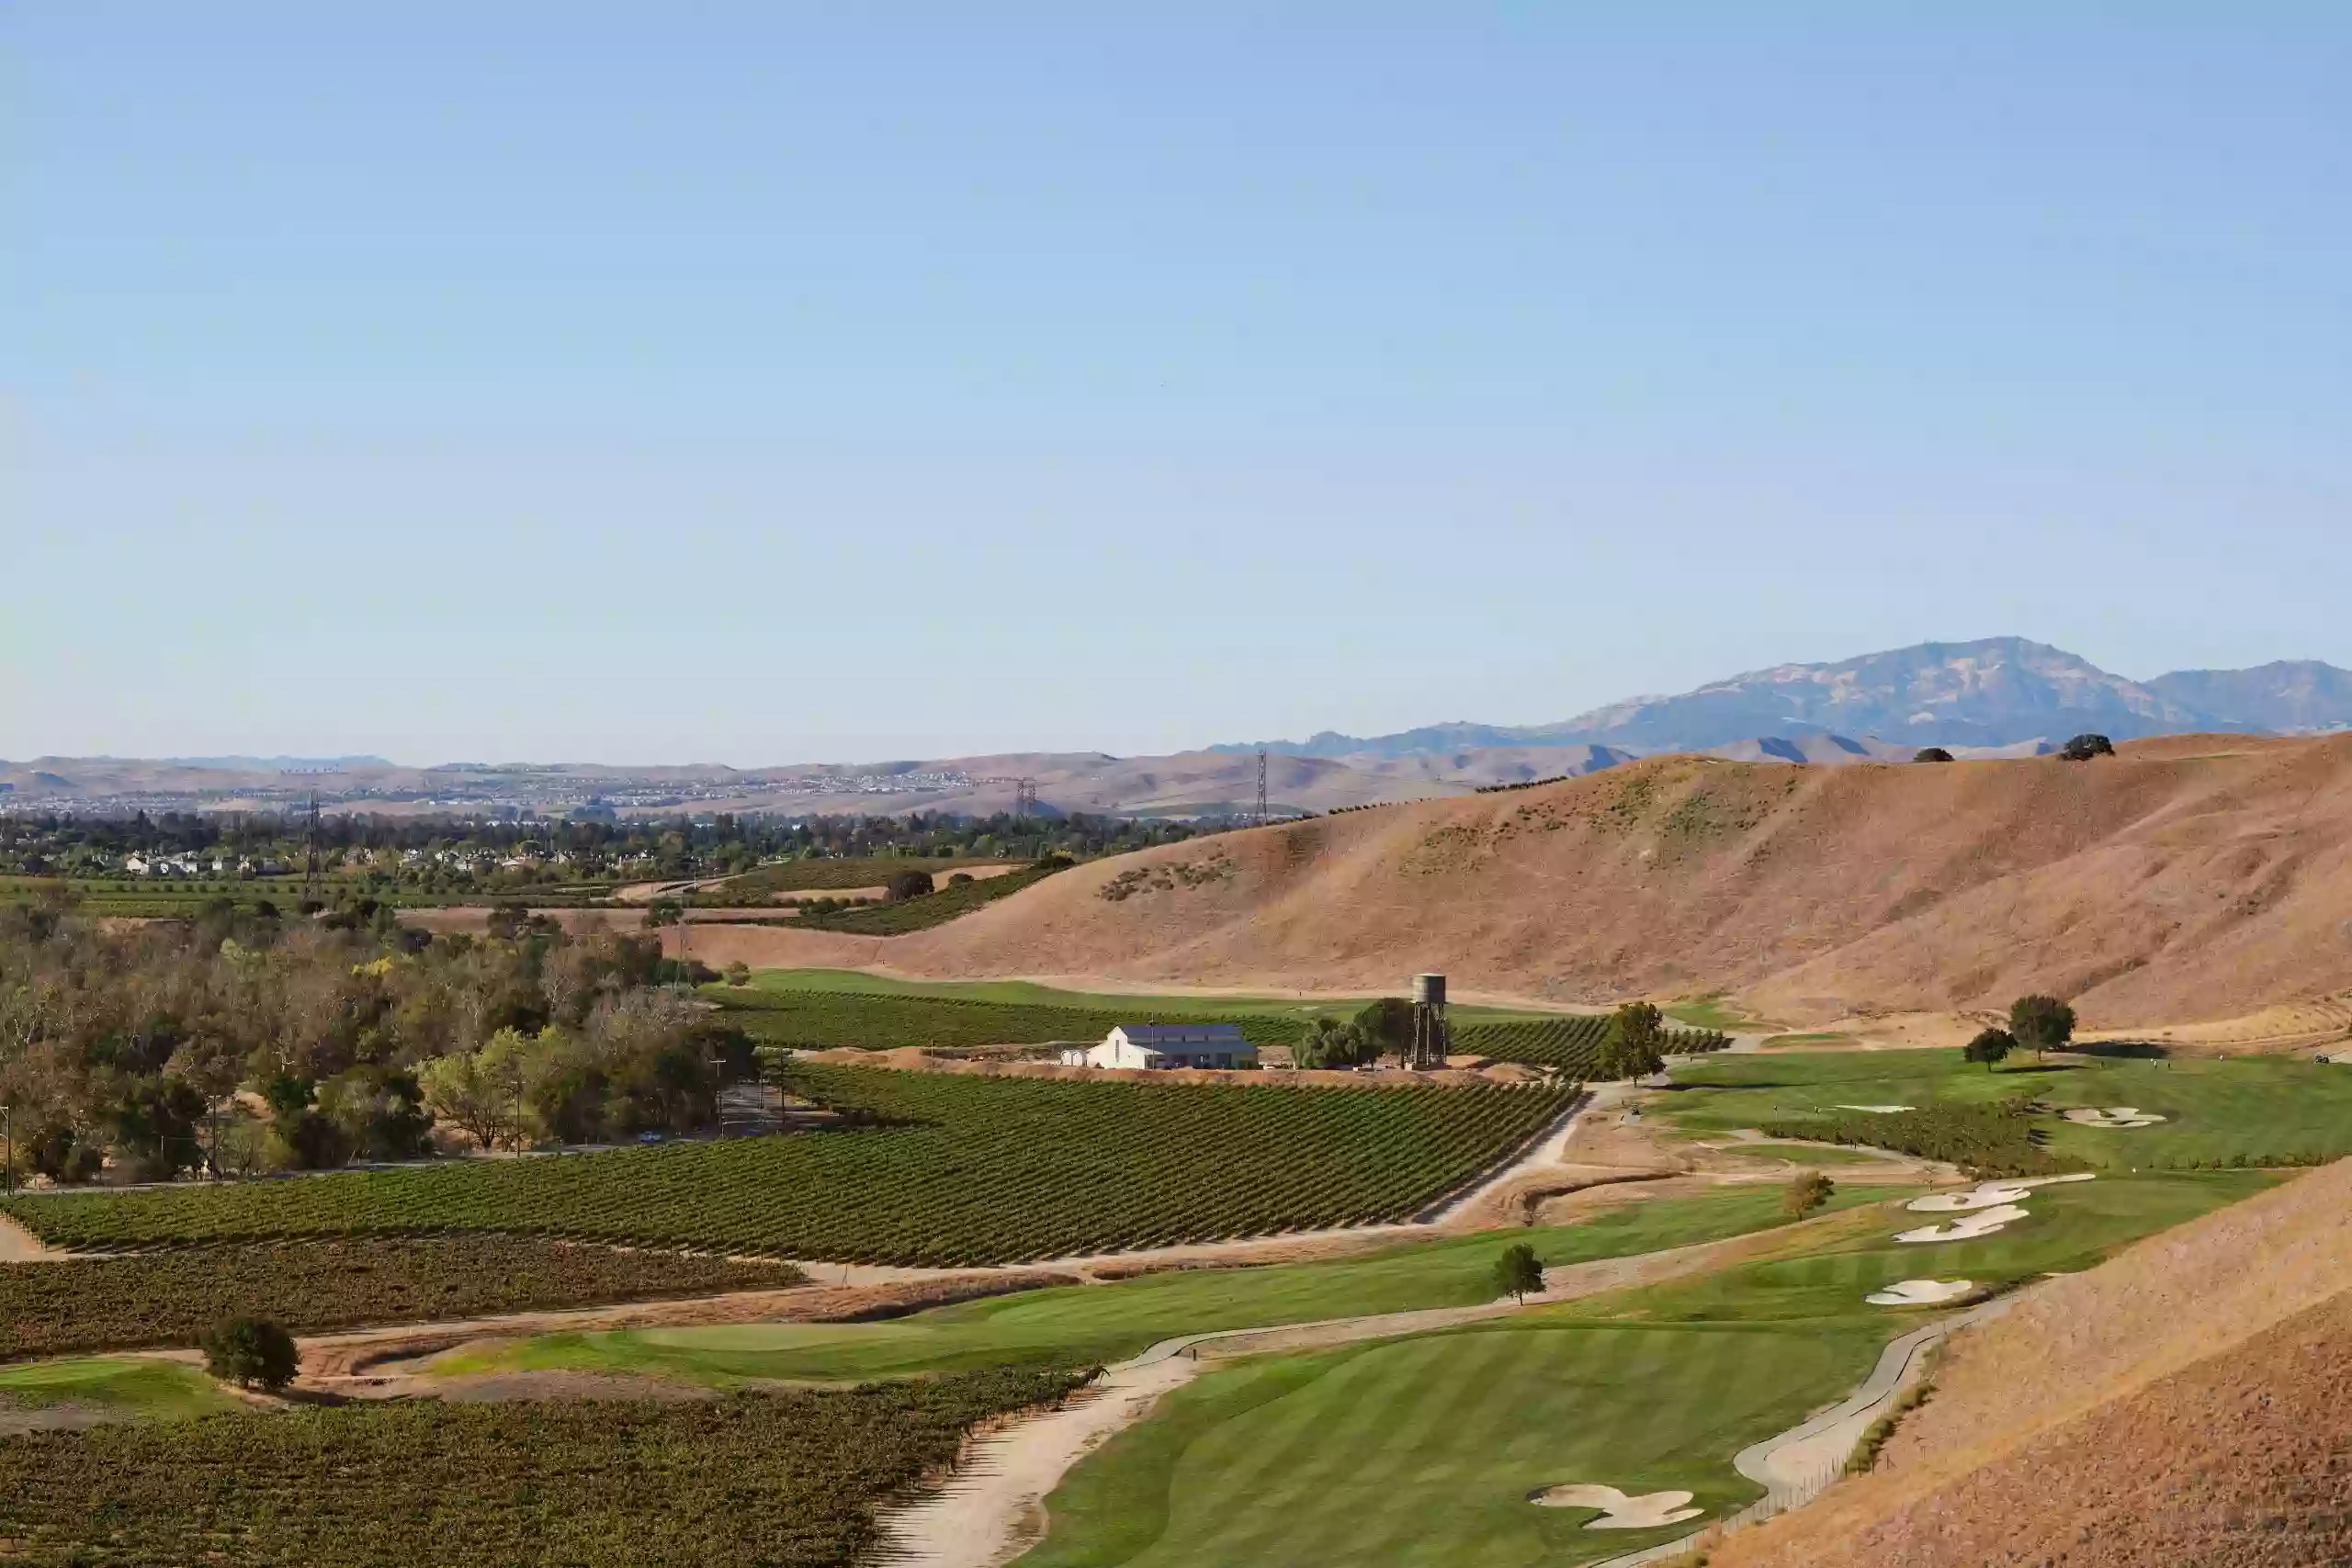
314, 869
1024, 797
1262, 786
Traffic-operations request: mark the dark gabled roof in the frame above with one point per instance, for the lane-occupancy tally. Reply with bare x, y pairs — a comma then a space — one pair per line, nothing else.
1184, 1033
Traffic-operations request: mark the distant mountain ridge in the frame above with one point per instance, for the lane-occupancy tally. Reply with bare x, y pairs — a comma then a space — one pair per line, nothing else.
1997, 692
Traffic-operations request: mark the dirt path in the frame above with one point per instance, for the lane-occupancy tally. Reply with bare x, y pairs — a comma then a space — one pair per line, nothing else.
378, 1362
18, 1244
1796, 1466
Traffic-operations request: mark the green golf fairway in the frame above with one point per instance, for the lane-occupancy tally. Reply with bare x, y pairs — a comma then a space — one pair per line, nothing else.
1426, 1450
2067, 1228
1110, 1322
2217, 1111
130, 1385
1423, 1450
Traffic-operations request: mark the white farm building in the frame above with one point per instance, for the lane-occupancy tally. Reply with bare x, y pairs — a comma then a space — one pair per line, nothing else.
1166, 1045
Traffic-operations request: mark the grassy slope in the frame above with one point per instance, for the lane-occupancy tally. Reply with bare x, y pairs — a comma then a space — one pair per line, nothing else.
2257, 1106
1107, 1323
1424, 1451
132, 1386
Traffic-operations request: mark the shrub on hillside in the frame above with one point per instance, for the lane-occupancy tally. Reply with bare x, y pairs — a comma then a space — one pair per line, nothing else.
2083, 747
1932, 754
909, 885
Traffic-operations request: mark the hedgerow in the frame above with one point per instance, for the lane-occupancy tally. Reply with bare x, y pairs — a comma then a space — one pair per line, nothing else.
790, 1480
1998, 1139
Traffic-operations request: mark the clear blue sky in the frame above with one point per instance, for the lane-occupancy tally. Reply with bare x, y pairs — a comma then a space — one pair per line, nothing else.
762, 383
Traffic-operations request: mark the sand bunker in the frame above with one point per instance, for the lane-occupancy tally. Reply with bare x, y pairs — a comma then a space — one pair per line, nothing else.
1988, 1195
1920, 1293
2114, 1116
1985, 1222
1879, 1109
1619, 1512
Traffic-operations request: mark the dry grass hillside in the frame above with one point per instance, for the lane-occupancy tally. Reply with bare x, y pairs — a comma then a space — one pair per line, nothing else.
2190, 1400
2192, 877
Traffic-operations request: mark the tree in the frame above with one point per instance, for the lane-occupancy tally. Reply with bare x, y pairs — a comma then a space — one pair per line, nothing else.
1989, 1047
1808, 1192
250, 1352
1932, 754
1328, 1042
2083, 747
1385, 1025
1518, 1271
906, 885
2043, 1023
1634, 1047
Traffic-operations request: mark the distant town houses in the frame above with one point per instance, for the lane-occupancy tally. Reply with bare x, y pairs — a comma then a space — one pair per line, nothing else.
1166, 1045
192, 865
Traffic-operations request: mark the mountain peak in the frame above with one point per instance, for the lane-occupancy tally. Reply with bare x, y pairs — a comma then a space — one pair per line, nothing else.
1989, 692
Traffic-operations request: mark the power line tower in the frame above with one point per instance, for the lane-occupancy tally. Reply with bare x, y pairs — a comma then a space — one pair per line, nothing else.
1262, 786
1024, 797
314, 869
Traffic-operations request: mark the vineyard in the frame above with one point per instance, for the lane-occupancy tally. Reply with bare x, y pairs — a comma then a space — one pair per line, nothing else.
170, 1298
934, 908
1568, 1043
786, 1479
825, 1019
965, 1170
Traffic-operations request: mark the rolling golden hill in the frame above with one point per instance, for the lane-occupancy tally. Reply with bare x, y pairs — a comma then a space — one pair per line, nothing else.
2188, 877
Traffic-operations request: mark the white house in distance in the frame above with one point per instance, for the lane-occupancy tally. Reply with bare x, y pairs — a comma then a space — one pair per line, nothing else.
1166, 1045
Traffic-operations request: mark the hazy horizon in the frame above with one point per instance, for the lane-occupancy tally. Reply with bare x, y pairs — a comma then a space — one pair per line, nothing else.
784, 385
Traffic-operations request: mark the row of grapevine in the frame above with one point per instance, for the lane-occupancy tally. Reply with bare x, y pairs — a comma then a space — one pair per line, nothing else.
788, 1478
965, 1170
171, 1298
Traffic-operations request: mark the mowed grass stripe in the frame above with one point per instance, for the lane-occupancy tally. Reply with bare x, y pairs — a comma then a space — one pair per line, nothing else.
1426, 1450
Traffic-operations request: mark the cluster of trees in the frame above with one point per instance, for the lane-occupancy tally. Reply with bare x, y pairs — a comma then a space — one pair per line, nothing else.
2081, 749
237, 1043
1383, 1027
376, 848
2038, 1024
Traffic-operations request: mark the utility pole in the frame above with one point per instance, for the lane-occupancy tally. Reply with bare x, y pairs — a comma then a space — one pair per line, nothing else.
1262, 786
8, 1118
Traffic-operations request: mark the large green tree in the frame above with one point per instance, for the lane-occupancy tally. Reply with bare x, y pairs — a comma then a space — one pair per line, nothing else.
1989, 1047
1518, 1271
2043, 1023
